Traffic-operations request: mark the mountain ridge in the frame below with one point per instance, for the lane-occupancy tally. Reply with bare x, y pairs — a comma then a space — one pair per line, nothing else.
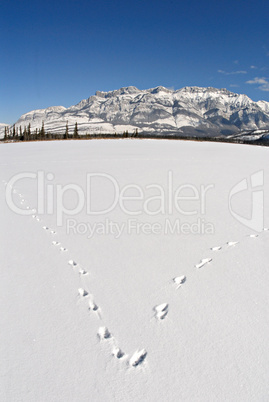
199, 111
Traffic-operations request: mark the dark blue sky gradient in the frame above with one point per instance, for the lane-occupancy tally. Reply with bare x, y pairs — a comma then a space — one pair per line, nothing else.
58, 53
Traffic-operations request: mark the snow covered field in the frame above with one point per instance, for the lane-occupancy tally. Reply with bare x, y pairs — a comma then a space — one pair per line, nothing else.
161, 299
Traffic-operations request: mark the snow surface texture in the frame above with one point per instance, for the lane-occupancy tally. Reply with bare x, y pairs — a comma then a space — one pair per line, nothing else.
190, 110
133, 318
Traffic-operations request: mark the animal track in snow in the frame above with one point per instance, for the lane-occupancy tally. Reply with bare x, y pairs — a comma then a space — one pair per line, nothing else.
93, 306
161, 311
45, 228
203, 262
232, 243
56, 243
253, 235
83, 272
73, 263
179, 280
104, 333
138, 358
82, 292
52, 232
217, 248
265, 229
63, 249
118, 353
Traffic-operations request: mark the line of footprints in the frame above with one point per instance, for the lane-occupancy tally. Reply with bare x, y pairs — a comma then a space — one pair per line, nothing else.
160, 311
104, 335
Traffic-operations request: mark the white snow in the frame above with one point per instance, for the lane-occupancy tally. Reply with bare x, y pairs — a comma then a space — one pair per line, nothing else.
211, 341
82, 292
203, 262
216, 248
161, 311
104, 333
138, 357
264, 105
179, 280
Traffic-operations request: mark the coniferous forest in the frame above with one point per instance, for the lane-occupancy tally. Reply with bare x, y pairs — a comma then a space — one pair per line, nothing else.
17, 133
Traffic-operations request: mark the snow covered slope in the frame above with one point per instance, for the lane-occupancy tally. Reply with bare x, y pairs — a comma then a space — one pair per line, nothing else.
190, 110
138, 315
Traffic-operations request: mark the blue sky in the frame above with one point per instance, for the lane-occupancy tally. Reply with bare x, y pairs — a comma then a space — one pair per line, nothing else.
58, 53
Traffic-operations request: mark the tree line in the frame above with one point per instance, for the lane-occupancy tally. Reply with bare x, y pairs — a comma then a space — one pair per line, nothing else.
16, 133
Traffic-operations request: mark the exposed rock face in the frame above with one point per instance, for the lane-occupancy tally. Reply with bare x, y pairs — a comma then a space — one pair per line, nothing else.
190, 110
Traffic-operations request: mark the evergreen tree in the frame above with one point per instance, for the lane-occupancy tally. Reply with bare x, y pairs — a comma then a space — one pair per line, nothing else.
20, 133
42, 132
66, 131
24, 137
43, 129
75, 135
29, 132
13, 131
5, 136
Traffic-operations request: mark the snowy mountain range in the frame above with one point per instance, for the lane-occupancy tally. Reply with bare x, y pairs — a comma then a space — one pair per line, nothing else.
187, 111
